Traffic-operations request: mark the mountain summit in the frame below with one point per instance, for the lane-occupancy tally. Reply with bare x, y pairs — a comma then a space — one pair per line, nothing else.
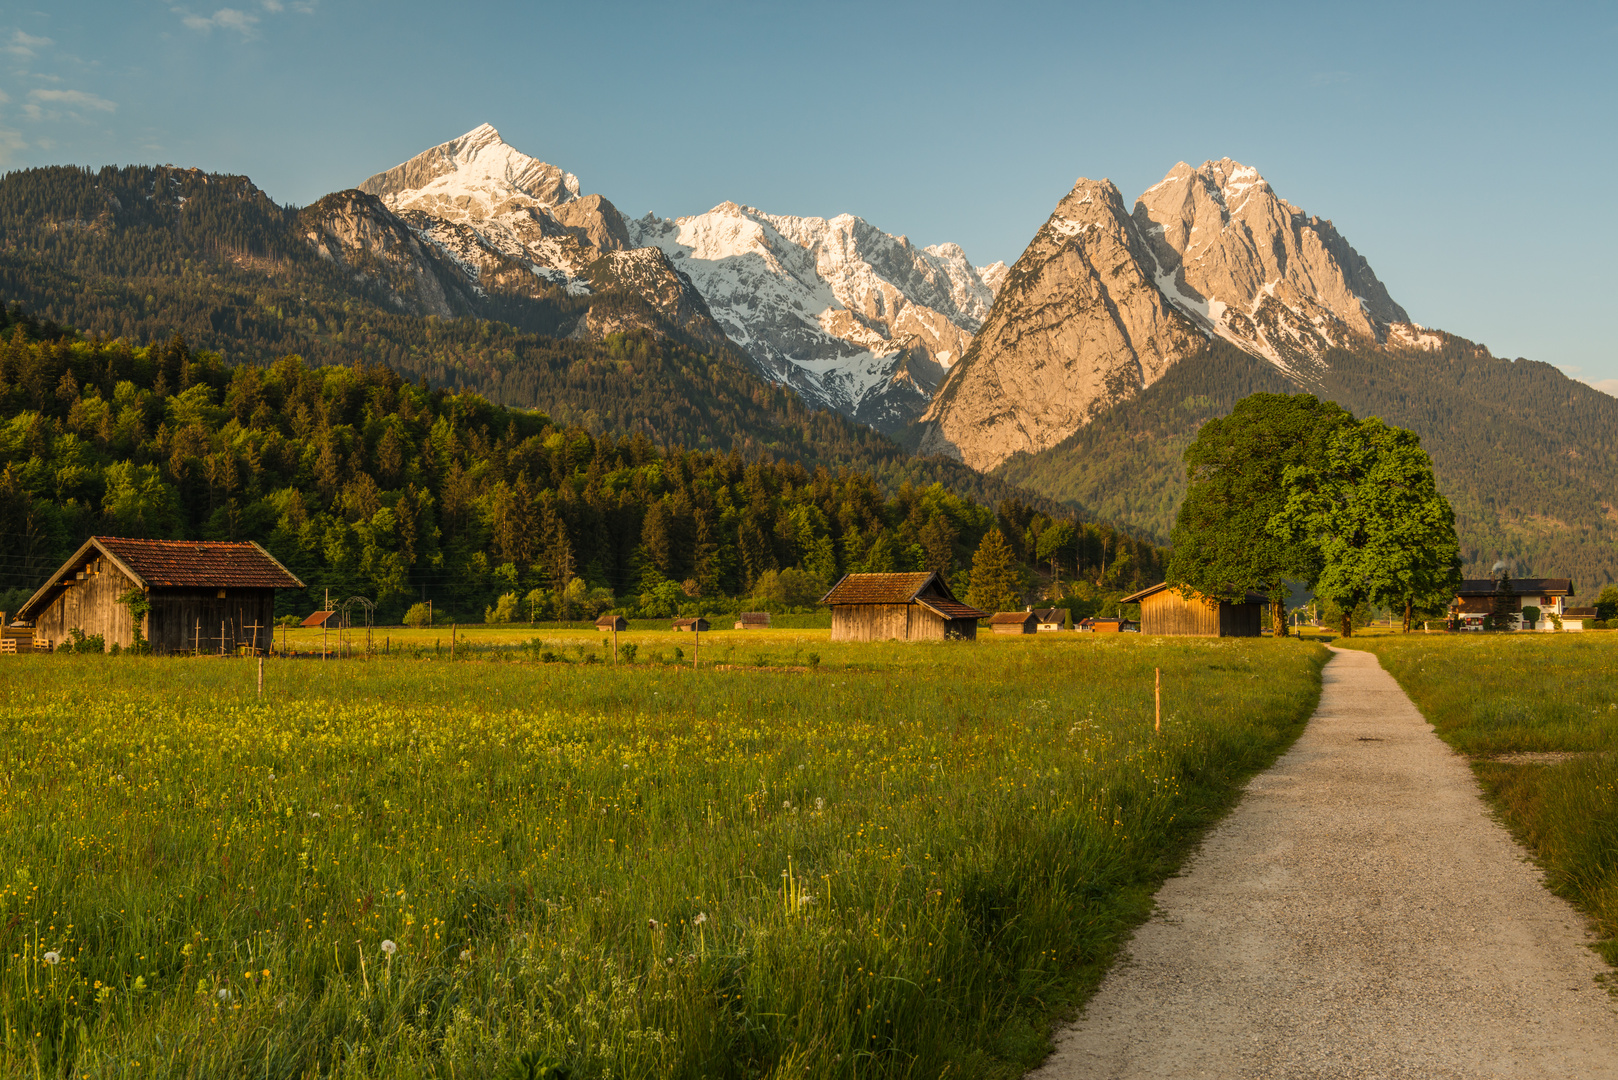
1104, 301
851, 317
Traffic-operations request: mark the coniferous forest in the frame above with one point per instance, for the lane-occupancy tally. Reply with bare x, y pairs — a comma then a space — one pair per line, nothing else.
364, 483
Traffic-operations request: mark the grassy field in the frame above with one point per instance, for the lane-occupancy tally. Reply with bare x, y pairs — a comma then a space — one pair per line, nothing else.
1538, 716
898, 861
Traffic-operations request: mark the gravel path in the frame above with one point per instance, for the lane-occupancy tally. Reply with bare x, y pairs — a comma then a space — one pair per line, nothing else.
1359, 914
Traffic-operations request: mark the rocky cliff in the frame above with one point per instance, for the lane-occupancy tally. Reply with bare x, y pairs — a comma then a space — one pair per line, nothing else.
1079, 325
1105, 300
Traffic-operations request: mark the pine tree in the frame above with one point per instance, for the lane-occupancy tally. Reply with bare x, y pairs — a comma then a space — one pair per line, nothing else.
994, 575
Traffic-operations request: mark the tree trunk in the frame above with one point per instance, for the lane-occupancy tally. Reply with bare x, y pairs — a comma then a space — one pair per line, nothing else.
1407, 616
1348, 623
1278, 614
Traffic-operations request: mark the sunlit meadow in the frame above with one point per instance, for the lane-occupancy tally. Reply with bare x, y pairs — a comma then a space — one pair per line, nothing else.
809, 860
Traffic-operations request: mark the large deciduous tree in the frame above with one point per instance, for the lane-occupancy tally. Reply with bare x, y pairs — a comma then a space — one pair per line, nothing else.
1371, 508
1223, 547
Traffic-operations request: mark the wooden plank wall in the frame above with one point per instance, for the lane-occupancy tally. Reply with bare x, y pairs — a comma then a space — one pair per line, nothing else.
179, 616
885, 622
1168, 613
90, 605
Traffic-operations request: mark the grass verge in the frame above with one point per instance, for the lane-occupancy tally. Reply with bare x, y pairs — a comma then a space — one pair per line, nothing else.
904, 861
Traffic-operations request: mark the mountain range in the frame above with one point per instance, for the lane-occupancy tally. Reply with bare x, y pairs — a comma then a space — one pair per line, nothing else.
1079, 373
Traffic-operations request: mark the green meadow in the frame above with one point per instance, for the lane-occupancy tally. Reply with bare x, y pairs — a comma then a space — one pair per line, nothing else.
797, 858
1537, 714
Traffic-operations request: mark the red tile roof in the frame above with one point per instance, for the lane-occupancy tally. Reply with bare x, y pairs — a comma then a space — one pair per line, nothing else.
877, 588
182, 564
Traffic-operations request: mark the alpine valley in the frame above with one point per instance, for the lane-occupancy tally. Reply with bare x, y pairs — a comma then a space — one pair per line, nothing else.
1080, 373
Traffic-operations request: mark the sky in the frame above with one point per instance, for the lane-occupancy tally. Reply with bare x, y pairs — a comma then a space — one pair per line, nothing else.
1454, 145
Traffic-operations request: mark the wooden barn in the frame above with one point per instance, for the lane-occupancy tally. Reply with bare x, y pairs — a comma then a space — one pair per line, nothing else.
753, 620
1164, 611
612, 622
1014, 622
902, 607
208, 597
698, 625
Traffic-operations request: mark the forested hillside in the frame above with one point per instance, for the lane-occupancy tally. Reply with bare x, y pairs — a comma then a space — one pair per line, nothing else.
146, 253
1527, 456
364, 482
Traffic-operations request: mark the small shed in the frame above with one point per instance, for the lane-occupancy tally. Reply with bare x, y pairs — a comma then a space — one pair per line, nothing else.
612, 622
1050, 619
1013, 622
331, 620
202, 596
902, 607
1105, 626
1164, 611
697, 625
753, 620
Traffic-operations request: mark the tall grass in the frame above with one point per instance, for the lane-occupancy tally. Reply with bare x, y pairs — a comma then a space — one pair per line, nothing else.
901, 862
1550, 694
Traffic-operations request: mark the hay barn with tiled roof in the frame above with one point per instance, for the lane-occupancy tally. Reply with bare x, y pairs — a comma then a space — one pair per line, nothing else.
901, 607
205, 596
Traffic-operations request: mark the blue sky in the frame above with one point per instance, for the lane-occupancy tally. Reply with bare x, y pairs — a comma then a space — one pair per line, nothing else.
1460, 148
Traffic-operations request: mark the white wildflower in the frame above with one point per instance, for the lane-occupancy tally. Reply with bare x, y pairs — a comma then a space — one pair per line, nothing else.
702, 917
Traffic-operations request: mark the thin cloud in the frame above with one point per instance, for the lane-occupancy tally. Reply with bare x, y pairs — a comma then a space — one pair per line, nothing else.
72, 99
11, 146
25, 45
243, 22
1606, 386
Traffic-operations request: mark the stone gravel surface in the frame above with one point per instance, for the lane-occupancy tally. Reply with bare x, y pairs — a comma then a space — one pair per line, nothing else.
1359, 914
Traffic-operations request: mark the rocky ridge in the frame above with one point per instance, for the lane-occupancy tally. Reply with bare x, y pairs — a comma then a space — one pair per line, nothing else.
853, 318
1105, 300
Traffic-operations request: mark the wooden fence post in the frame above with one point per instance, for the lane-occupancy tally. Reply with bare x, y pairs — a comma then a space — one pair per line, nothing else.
1158, 694
261, 676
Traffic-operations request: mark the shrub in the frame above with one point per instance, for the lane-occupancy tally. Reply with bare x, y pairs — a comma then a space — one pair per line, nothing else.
628, 651
504, 610
418, 615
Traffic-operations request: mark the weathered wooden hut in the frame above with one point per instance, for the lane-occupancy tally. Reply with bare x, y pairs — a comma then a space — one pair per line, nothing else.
698, 625
753, 620
612, 622
904, 607
1014, 622
1164, 611
206, 596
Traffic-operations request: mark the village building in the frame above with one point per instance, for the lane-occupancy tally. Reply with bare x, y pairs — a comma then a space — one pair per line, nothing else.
1475, 601
753, 620
1050, 619
207, 597
899, 607
1165, 612
612, 622
1014, 622
697, 626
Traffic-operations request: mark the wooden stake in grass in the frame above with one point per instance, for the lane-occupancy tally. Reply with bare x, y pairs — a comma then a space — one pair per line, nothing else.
1157, 693
452, 641
261, 676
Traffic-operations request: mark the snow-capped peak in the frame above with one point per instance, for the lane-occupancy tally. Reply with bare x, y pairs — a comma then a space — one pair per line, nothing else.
474, 174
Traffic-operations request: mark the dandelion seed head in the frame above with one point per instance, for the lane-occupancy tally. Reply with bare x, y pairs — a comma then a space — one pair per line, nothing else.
53, 958
702, 917
389, 947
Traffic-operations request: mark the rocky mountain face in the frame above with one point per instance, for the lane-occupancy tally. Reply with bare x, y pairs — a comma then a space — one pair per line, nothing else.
1105, 300
851, 317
